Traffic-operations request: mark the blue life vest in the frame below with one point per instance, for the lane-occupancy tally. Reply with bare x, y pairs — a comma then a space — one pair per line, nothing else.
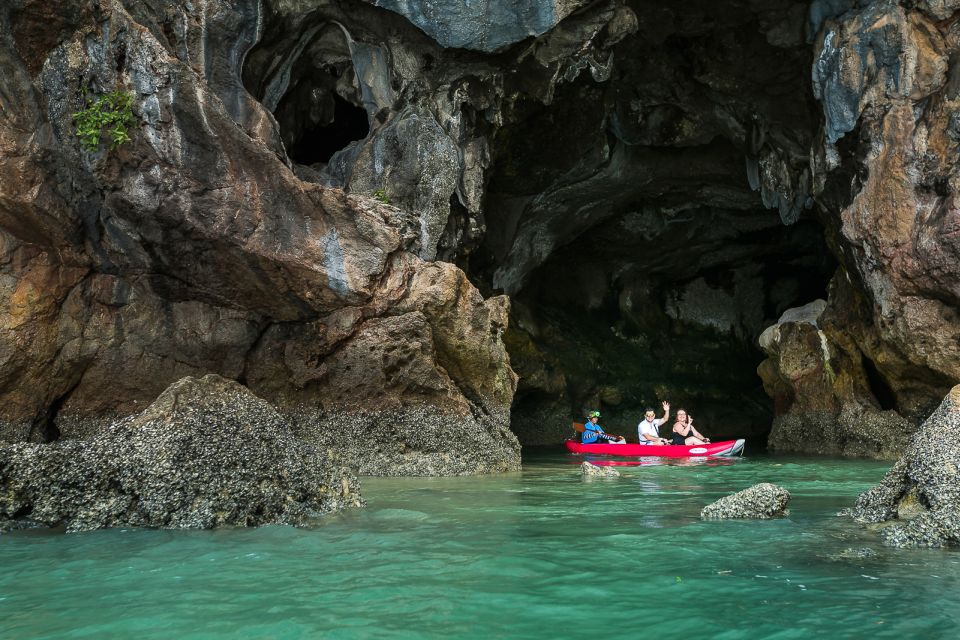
591, 434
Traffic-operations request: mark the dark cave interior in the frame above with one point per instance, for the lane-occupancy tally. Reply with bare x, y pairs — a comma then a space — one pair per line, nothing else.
311, 90
641, 264
317, 144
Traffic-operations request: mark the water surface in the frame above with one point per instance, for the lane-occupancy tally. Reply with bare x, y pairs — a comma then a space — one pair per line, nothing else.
537, 554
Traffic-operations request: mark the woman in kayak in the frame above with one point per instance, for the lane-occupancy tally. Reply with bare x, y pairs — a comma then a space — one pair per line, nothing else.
593, 433
683, 431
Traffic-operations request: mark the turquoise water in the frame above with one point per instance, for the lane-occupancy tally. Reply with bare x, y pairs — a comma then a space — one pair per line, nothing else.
537, 554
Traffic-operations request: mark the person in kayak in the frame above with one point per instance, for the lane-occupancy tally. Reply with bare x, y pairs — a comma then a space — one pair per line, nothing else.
648, 429
683, 431
593, 433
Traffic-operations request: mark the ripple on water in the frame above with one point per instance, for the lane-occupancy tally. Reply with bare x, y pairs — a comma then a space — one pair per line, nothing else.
534, 554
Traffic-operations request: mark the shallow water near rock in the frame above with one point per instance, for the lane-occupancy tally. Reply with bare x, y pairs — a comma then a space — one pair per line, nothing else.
539, 553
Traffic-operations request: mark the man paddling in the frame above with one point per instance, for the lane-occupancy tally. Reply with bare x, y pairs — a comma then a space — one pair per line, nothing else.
648, 429
593, 433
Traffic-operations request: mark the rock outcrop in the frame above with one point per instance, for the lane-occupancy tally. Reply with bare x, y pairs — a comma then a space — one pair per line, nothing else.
196, 248
206, 453
762, 501
884, 176
822, 396
918, 501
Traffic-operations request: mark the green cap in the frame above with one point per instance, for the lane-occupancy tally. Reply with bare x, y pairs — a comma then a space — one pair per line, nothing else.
593, 414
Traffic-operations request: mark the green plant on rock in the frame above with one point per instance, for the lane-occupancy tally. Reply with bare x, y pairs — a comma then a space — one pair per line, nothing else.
382, 196
111, 112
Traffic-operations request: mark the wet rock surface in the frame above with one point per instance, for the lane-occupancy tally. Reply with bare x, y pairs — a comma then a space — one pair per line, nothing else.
206, 453
589, 470
918, 501
762, 501
414, 442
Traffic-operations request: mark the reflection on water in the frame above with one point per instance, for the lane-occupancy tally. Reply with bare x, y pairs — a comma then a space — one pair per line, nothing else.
534, 554
612, 461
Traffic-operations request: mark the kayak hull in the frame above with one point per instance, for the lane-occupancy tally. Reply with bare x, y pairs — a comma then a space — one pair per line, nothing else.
724, 449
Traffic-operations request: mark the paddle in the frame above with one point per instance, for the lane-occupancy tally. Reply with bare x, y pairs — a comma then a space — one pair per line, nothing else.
580, 428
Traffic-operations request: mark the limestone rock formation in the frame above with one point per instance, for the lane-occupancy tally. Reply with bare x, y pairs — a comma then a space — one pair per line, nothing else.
486, 25
206, 453
196, 247
919, 499
822, 394
886, 169
885, 177
652, 184
761, 501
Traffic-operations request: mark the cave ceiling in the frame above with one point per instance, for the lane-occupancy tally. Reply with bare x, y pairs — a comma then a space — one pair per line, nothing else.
621, 109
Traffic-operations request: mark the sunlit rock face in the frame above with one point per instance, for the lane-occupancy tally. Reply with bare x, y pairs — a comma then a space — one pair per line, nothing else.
885, 175
196, 248
899, 229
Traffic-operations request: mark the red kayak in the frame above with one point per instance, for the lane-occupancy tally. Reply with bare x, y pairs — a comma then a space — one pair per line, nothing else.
725, 449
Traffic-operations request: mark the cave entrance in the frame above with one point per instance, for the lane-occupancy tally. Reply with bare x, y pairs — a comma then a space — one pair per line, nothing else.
310, 85
647, 242
631, 327
329, 131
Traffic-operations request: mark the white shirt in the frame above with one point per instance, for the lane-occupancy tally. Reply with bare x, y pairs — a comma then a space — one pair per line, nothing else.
648, 428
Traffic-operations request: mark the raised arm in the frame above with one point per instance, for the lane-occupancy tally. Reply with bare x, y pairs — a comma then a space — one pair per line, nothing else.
666, 412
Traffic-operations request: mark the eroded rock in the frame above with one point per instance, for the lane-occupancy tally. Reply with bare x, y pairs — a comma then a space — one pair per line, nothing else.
221, 238
206, 453
197, 248
896, 227
762, 501
486, 25
918, 500
823, 402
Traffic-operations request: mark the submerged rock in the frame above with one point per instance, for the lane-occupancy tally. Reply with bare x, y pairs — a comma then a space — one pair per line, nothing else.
206, 453
855, 553
919, 498
762, 501
593, 471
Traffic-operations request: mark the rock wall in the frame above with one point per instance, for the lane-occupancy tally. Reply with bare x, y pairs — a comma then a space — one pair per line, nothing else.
196, 248
885, 177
